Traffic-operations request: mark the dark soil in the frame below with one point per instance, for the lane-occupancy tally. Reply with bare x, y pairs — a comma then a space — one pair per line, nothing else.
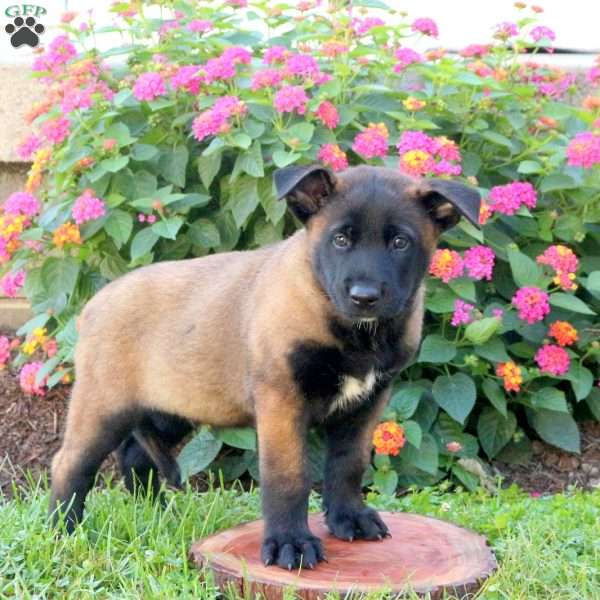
30, 430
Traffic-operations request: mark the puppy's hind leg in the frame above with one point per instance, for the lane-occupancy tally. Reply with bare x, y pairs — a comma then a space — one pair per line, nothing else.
96, 425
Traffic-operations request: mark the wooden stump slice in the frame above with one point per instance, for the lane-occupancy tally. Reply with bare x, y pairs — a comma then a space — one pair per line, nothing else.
423, 555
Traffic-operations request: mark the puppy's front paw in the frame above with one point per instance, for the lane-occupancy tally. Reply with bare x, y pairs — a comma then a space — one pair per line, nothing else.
291, 551
353, 524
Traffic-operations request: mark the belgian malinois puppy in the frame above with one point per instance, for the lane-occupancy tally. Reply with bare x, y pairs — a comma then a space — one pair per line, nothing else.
310, 330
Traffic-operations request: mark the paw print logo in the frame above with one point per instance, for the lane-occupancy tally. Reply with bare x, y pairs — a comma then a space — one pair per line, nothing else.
24, 32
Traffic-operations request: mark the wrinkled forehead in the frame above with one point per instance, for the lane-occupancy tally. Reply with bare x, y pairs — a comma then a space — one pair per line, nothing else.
375, 198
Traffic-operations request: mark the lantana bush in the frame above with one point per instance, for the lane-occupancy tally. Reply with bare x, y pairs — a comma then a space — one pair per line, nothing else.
164, 148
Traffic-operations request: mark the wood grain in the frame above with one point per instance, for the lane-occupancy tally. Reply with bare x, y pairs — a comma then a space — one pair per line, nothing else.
423, 555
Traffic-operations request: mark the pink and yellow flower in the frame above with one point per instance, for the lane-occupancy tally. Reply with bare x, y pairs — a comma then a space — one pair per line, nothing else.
67, 233
149, 86
405, 58
463, 313
508, 198
511, 374
22, 203
291, 98
552, 359
333, 156
27, 380
12, 282
584, 150
446, 264
372, 142
328, 114
56, 130
88, 208
479, 262
564, 262
388, 438
563, 332
426, 27
532, 304
217, 119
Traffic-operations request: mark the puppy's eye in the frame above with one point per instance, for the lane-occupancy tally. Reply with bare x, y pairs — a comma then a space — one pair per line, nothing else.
340, 240
400, 242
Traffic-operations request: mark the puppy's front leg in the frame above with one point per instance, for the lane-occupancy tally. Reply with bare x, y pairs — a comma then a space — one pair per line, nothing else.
284, 481
349, 439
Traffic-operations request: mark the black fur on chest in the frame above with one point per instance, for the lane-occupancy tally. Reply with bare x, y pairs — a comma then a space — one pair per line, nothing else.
319, 370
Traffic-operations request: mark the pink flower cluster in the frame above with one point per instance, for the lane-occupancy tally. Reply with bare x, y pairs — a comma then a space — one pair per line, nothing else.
223, 67
564, 262
372, 142
28, 147
475, 50
421, 154
541, 32
479, 262
426, 27
11, 283
333, 156
508, 198
584, 150
22, 203
363, 26
532, 304
553, 359
406, 57
328, 114
463, 313
506, 30
60, 51
27, 379
291, 98
200, 26
56, 130
217, 119
88, 208
149, 86
266, 78
275, 54
187, 77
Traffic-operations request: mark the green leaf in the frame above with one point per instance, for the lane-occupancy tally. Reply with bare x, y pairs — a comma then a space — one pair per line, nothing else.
441, 300
112, 165
571, 303
524, 269
529, 166
556, 428
145, 184
119, 132
238, 437
551, 399
436, 349
497, 138
425, 457
495, 395
243, 199
141, 152
274, 208
593, 402
482, 330
281, 158
301, 131
406, 399
168, 228
494, 430
208, 167
241, 140
251, 162
581, 380
119, 226
33, 323
204, 233
386, 481
493, 350
143, 242
556, 181
592, 283
413, 433
198, 453
59, 275
456, 394
464, 288
172, 165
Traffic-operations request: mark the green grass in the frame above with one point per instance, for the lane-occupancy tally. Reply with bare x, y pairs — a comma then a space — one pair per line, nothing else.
548, 548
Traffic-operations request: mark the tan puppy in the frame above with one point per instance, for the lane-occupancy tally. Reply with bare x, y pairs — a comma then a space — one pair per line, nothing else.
309, 330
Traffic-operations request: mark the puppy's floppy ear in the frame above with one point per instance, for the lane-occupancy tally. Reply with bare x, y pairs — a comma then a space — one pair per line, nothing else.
306, 189
446, 201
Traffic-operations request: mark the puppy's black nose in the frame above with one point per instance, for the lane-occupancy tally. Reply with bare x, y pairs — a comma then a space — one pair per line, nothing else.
364, 295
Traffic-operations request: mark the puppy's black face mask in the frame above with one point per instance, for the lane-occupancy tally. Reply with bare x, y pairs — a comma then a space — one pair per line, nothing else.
376, 232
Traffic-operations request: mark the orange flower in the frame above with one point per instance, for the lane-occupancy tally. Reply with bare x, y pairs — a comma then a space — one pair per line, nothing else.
413, 104
511, 373
591, 102
563, 332
388, 438
68, 233
484, 212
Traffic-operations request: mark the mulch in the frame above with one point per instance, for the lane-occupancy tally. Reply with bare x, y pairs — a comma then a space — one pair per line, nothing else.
30, 434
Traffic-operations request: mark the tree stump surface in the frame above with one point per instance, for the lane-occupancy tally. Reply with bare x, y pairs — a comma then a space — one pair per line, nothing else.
423, 555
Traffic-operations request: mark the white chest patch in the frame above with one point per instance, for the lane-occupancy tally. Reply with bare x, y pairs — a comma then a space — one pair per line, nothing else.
353, 391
